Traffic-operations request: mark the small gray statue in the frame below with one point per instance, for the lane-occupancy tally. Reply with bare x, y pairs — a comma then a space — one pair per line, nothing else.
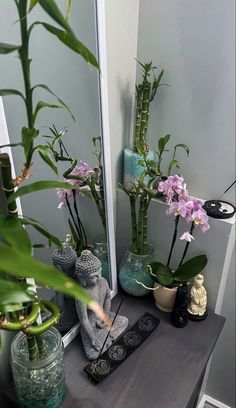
93, 332
64, 259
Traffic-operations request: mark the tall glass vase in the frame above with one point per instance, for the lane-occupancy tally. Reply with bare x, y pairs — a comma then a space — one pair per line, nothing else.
40, 383
134, 268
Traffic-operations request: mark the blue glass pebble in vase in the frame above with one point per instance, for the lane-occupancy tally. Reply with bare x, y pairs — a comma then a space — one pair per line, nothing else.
132, 168
133, 268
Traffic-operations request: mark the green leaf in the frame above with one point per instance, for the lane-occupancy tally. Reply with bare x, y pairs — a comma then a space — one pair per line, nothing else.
41, 105
6, 92
11, 145
54, 12
73, 43
13, 294
32, 5
183, 146
7, 48
12, 232
162, 143
140, 148
38, 186
190, 268
68, 9
45, 153
25, 266
157, 82
161, 273
27, 138
40, 228
171, 164
58, 99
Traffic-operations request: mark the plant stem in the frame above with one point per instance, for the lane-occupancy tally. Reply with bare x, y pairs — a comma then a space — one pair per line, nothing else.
140, 224
32, 347
72, 216
187, 245
173, 239
132, 198
145, 220
81, 227
8, 186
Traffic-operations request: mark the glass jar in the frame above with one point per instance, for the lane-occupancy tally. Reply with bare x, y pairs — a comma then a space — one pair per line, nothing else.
134, 268
101, 252
40, 383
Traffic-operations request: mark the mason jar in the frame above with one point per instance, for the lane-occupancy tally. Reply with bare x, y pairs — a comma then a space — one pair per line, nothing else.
40, 383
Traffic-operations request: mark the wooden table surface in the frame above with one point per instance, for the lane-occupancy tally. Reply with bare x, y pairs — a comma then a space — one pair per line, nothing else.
162, 373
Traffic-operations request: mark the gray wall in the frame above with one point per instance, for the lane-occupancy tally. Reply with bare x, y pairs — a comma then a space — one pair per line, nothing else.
222, 380
74, 81
194, 41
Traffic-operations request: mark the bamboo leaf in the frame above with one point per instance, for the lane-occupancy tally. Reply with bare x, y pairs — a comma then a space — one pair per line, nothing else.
162, 143
12, 232
58, 99
171, 164
45, 153
40, 228
13, 294
27, 137
9, 92
41, 105
37, 186
32, 5
7, 48
25, 266
190, 268
54, 12
68, 9
73, 43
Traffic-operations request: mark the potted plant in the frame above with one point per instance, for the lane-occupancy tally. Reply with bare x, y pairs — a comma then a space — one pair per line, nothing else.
144, 95
184, 206
36, 353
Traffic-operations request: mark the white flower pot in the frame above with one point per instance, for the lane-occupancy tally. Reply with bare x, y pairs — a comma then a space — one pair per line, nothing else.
164, 297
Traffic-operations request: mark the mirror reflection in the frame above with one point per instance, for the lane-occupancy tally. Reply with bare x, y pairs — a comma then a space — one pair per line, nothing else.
70, 136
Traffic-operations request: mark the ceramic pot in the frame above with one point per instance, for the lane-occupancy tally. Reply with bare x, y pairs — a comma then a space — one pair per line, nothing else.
164, 297
40, 383
134, 268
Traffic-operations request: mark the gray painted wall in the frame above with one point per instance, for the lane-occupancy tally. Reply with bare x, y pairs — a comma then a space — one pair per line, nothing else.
74, 81
194, 41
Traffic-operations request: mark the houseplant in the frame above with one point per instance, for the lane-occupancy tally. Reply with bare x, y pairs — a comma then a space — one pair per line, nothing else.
19, 307
144, 95
190, 209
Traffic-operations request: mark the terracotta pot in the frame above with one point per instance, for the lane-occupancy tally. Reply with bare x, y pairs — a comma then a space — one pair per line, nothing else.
164, 297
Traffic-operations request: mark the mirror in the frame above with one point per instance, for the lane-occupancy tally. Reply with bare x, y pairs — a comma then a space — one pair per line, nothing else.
80, 86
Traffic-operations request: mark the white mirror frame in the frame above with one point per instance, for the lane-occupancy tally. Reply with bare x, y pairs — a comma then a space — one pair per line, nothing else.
4, 139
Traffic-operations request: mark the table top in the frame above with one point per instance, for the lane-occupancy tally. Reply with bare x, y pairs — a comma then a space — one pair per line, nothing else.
162, 373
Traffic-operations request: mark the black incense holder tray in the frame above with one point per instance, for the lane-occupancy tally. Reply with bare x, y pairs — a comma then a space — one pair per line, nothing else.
122, 348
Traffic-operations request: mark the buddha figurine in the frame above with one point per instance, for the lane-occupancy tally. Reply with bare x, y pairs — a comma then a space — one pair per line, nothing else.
198, 304
93, 331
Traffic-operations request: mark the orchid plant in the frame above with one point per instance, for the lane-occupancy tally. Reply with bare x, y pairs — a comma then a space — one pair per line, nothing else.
190, 209
83, 180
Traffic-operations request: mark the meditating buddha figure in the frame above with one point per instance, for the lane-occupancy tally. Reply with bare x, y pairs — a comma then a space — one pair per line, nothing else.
93, 332
198, 303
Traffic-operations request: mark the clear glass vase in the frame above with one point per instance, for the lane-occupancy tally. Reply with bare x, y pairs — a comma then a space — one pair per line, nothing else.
40, 383
101, 252
134, 268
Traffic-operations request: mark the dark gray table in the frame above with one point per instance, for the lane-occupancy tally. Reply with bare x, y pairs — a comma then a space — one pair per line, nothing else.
166, 371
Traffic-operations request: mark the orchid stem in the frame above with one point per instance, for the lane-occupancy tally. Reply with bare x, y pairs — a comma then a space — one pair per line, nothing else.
187, 244
173, 239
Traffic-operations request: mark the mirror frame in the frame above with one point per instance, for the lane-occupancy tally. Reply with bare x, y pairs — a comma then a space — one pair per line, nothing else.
99, 8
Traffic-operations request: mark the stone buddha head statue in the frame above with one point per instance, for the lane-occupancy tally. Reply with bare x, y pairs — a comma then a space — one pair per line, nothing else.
88, 269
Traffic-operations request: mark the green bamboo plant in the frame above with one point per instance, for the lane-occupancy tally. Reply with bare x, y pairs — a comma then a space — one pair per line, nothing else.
140, 195
161, 149
19, 306
145, 93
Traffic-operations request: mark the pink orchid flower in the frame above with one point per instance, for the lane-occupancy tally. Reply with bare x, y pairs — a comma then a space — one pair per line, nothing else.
187, 236
62, 194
